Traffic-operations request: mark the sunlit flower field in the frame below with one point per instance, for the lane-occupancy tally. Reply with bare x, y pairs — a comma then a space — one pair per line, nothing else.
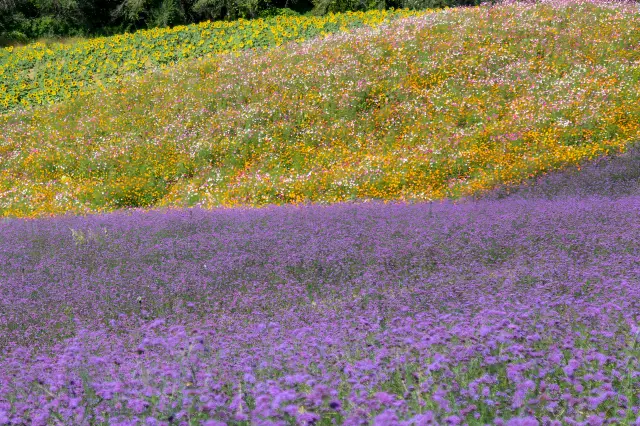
41, 73
447, 104
523, 310
448, 231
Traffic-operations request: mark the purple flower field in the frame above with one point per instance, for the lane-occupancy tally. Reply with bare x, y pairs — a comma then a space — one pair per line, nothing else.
523, 310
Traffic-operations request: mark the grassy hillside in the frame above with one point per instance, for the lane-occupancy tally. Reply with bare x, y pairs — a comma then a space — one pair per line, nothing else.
448, 104
40, 74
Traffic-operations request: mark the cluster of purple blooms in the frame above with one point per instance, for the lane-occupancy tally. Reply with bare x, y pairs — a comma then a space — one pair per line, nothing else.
516, 311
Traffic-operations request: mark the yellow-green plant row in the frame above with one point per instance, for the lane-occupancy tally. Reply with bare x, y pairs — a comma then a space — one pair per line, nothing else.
38, 74
443, 105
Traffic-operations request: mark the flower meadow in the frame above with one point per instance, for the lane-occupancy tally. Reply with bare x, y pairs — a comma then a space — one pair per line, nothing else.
44, 73
449, 231
523, 310
446, 104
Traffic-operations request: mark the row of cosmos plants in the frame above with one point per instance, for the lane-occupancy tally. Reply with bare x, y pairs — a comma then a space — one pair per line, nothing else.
445, 104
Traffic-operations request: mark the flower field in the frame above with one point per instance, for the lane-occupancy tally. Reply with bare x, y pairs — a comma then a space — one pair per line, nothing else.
39, 74
520, 311
449, 231
447, 104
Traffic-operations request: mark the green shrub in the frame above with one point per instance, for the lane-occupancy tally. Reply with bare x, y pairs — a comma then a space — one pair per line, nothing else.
13, 38
275, 11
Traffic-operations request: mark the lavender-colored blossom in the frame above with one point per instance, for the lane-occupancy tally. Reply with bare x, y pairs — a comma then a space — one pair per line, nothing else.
494, 311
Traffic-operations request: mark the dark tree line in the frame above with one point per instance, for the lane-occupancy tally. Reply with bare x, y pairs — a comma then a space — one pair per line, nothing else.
24, 20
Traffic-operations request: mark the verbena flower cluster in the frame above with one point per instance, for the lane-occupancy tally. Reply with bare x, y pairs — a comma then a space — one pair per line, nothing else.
521, 311
446, 104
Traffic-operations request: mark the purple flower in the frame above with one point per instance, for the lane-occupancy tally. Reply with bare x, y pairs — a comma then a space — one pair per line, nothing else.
424, 419
387, 417
571, 367
523, 421
214, 423
452, 420
385, 398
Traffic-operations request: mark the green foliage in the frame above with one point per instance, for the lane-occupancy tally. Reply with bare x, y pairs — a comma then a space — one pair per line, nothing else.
336, 6
153, 13
274, 11
13, 37
425, 4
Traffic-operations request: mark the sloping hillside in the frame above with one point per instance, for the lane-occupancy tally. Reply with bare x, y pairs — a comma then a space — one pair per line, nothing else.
444, 105
40, 73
